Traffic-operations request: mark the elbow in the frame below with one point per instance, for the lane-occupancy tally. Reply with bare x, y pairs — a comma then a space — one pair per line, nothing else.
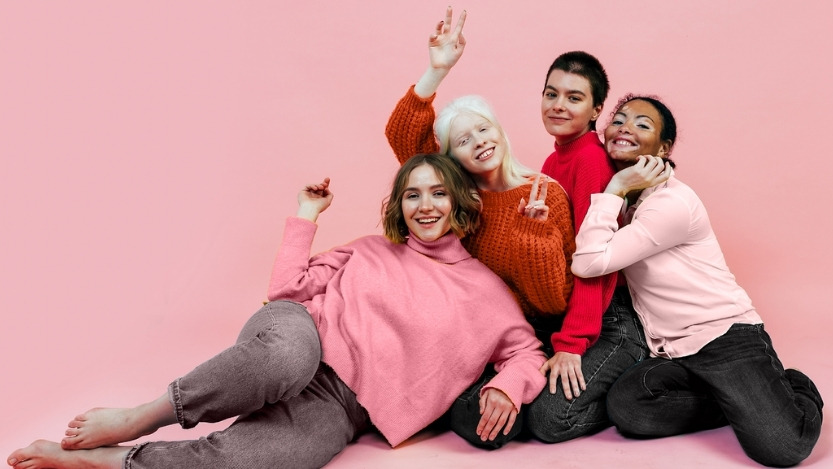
586, 269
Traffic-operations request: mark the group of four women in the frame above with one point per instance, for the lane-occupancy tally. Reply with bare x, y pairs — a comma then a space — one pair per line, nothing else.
607, 260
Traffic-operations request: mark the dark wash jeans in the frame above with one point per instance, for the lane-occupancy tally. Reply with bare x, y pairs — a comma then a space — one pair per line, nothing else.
294, 412
551, 417
735, 379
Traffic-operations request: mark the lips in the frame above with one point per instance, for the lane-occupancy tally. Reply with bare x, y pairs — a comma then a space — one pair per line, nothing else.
428, 221
485, 154
623, 143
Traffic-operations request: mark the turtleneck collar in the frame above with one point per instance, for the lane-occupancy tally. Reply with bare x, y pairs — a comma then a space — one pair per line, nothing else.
589, 138
447, 249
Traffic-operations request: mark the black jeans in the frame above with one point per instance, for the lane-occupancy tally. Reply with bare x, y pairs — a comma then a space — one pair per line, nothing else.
735, 379
551, 417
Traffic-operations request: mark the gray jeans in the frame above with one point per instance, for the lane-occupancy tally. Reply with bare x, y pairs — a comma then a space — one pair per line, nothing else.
293, 411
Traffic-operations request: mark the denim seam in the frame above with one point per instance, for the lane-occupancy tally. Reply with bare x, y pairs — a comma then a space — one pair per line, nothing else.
128, 458
176, 397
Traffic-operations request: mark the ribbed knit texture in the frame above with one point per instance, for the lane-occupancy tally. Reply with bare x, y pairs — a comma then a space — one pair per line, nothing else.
531, 256
583, 168
408, 327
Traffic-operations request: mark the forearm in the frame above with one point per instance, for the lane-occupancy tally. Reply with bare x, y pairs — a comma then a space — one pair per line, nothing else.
430, 82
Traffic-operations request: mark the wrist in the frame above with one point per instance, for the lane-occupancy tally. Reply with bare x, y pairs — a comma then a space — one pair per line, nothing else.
430, 81
307, 213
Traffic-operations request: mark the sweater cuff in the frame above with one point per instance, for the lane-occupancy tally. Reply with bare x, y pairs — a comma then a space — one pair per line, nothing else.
517, 387
574, 345
413, 99
298, 232
604, 202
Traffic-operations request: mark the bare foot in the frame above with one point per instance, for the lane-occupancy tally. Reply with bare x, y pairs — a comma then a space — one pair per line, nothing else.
104, 427
44, 454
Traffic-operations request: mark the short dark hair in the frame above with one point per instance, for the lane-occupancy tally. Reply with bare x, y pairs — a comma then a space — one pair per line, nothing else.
465, 200
585, 65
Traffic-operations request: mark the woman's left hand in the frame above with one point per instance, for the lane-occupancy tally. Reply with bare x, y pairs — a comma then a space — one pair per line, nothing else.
566, 366
537, 208
497, 411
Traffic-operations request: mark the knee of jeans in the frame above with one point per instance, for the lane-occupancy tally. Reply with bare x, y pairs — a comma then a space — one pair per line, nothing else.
464, 416
288, 332
549, 418
777, 454
620, 407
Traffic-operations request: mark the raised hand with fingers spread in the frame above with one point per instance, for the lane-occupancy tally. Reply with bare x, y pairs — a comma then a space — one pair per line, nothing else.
537, 207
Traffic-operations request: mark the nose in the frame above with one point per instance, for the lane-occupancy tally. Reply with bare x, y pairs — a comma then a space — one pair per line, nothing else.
479, 140
558, 103
426, 204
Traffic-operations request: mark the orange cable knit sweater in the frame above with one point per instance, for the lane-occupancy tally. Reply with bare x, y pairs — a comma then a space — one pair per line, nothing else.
531, 256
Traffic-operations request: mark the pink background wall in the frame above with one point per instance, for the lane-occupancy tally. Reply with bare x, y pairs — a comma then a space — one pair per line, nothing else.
149, 153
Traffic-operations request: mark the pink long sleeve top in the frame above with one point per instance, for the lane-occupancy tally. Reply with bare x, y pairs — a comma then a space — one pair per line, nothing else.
681, 287
408, 327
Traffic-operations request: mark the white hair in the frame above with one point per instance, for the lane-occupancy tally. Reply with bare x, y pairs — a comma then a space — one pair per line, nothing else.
514, 173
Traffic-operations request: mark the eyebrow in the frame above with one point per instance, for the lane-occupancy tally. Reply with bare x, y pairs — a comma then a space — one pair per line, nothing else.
415, 189
550, 87
636, 117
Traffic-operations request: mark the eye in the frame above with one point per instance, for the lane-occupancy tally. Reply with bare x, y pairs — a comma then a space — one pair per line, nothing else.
549, 95
411, 195
575, 99
462, 141
616, 122
644, 126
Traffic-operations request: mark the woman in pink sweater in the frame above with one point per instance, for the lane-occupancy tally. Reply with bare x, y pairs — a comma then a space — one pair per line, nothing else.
712, 362
595, 335
382, 333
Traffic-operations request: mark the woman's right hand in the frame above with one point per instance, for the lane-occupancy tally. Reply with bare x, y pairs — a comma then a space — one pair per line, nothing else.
445, 47
314, 199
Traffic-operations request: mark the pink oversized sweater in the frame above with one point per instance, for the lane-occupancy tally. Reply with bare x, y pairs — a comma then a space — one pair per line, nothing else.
408, 327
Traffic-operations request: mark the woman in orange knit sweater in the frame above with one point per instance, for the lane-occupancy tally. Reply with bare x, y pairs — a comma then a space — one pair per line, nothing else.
530, 263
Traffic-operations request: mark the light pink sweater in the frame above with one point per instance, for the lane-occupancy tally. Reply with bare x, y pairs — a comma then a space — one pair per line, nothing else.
408, 327
680, 284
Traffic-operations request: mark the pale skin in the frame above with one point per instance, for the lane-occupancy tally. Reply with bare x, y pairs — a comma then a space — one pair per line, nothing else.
91, 438
445, 47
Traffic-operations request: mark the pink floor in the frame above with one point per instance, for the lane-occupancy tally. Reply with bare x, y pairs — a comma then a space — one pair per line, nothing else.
712, 449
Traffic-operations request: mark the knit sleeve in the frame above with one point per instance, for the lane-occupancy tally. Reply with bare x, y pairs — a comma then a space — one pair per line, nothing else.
518, 359
591, 296
410, 128
296, 276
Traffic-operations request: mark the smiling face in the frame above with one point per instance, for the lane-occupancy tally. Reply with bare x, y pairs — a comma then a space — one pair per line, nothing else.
477, 144
635, 130
426, 204
567, 106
